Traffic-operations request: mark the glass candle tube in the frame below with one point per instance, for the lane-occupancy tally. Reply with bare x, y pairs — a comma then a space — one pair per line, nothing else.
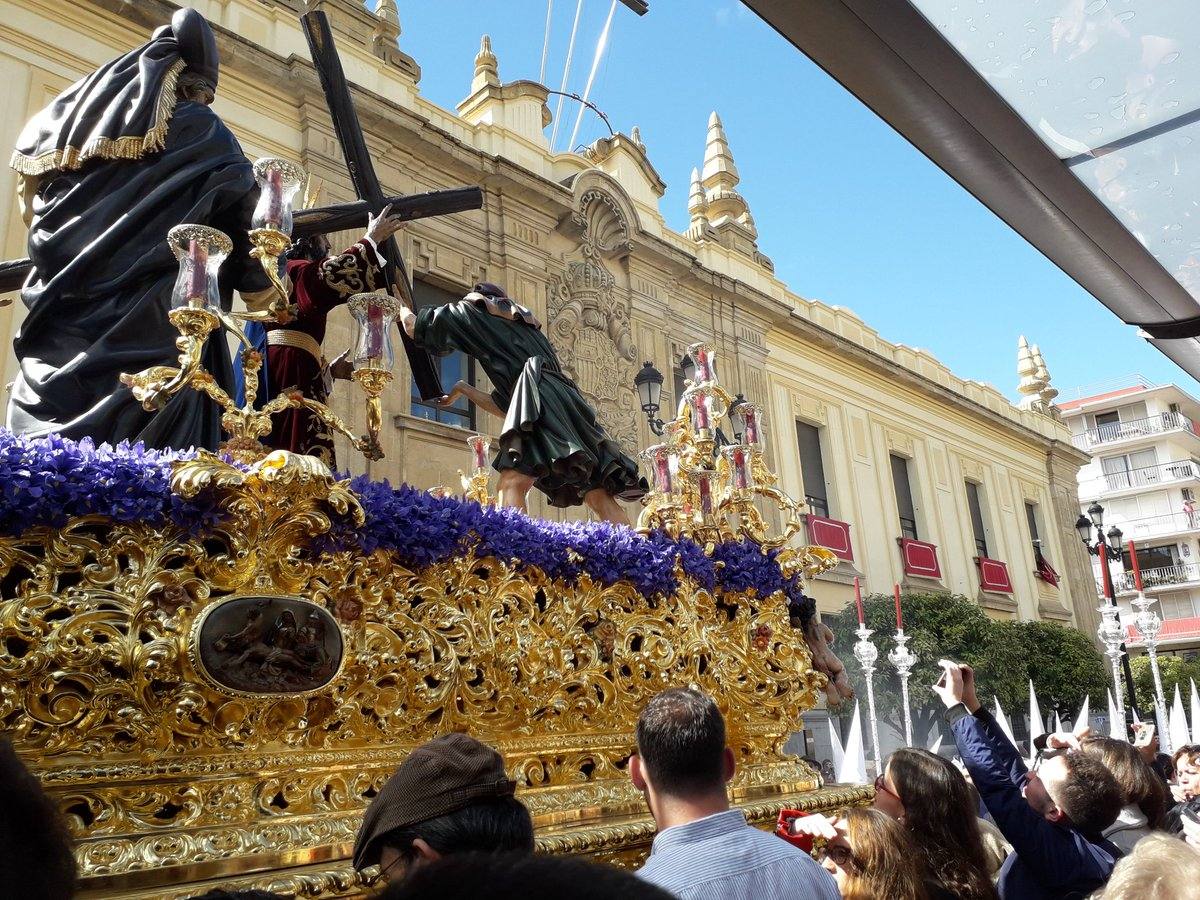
200, 251
753, 418
480, 446
704, 358
374, 314
701, 412
739, 464
278, 181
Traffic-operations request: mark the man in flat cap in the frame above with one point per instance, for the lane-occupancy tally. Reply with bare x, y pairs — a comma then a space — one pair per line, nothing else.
108, 167
451, 795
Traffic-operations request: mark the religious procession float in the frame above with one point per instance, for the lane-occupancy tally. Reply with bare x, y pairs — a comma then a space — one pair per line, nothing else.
213, 658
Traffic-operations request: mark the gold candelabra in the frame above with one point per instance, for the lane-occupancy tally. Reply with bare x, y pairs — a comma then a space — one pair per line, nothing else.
197, 313
711, 490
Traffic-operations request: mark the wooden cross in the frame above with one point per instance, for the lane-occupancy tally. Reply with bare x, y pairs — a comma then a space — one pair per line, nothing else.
366, 182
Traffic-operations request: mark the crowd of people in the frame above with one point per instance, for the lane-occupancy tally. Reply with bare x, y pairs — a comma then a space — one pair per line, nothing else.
1094, 817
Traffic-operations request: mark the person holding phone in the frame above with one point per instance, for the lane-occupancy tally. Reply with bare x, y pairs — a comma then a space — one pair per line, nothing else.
1054, 817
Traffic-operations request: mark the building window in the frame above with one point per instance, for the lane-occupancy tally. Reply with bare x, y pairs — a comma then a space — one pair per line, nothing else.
812, 469
1108, 418
1163, 557
455, 367
1137, 469
904, 497
1032, 514
976, 508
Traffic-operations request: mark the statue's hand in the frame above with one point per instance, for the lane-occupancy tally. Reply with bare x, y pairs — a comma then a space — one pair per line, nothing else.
383, 225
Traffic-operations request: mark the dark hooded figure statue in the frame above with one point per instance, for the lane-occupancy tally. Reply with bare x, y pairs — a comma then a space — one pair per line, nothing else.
114, 162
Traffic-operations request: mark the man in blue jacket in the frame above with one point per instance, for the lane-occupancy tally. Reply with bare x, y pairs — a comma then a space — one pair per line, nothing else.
1053, 817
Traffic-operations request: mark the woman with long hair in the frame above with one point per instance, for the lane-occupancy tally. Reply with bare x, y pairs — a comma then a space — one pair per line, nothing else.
932, 800
1142, 791
869, 855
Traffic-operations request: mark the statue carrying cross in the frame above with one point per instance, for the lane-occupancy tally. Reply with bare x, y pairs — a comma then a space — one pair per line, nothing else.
107, 168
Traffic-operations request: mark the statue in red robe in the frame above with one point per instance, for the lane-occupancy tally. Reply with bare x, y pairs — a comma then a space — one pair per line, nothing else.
319, 283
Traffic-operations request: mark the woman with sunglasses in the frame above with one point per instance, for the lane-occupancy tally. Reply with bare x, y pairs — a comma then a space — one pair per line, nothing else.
868, 854
927, 794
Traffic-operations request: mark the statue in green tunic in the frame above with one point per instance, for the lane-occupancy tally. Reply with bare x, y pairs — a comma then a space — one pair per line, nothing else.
550, 438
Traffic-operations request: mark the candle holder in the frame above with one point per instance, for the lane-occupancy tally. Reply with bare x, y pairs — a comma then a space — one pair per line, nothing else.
373, 357
197, 313
1149, 624
1111, 634
712, 496
904, 660
867, 654
475, 486
271, 226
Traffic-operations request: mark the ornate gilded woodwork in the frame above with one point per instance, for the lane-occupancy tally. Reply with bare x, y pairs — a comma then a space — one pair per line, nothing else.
159, 766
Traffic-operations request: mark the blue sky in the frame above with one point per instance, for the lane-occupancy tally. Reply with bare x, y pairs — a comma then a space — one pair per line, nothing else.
848, 210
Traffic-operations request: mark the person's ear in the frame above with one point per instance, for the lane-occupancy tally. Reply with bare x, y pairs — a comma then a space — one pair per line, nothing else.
636, 773
1055, 815
423, 853
728, 765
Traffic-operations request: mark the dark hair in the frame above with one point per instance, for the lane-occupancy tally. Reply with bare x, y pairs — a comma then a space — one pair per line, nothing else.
500, 825
191, 85
1137, 780
36, 859
681, 740
312, 248
521, 878
940, 815
1191, 751
1090, 795
222, 894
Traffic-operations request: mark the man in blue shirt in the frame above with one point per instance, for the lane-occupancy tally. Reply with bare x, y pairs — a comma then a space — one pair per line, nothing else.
1054, 817
705, 850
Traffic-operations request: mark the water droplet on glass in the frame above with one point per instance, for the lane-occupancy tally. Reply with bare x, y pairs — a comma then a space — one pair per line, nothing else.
1170, 104
1096, 82
1118, 112
1095, 6
1042, 82
1125, 16
1170, 58
1028, 54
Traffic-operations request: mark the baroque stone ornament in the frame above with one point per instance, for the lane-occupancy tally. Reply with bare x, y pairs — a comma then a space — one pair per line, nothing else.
169, 754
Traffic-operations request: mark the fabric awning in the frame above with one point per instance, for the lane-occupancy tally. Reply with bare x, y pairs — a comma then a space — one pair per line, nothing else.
1075, 121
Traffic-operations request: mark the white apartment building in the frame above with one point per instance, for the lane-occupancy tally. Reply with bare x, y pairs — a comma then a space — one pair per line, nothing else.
1145, 472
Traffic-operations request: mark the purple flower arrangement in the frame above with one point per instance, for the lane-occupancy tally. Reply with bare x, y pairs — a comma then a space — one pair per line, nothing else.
49, 481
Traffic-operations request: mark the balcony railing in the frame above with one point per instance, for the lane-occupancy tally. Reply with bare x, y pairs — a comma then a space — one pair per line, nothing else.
1149, 476
1121, 431
1166, 576
1157, 526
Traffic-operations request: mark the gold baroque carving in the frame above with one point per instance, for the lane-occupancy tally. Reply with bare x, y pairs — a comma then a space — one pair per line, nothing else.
156, 768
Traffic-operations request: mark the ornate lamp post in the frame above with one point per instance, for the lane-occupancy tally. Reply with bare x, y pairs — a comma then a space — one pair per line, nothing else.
904, 660
866, 653
1110, 631
1149, 624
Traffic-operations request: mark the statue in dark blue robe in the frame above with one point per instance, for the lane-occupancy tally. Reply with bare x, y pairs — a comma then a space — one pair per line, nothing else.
112, 164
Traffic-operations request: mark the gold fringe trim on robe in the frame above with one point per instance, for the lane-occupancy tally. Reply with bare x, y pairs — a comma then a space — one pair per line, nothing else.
131, 147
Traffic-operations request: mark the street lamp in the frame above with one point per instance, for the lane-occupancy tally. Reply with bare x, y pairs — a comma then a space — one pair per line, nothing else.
649, 382
737, 418
1110, 629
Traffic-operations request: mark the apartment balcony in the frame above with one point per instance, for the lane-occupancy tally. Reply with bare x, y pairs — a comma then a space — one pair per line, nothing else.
1166, 525
1134, 480
1184, 575
1173, 631
1134, 430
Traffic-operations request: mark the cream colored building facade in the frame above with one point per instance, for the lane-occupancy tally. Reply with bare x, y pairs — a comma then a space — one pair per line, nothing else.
581, 239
